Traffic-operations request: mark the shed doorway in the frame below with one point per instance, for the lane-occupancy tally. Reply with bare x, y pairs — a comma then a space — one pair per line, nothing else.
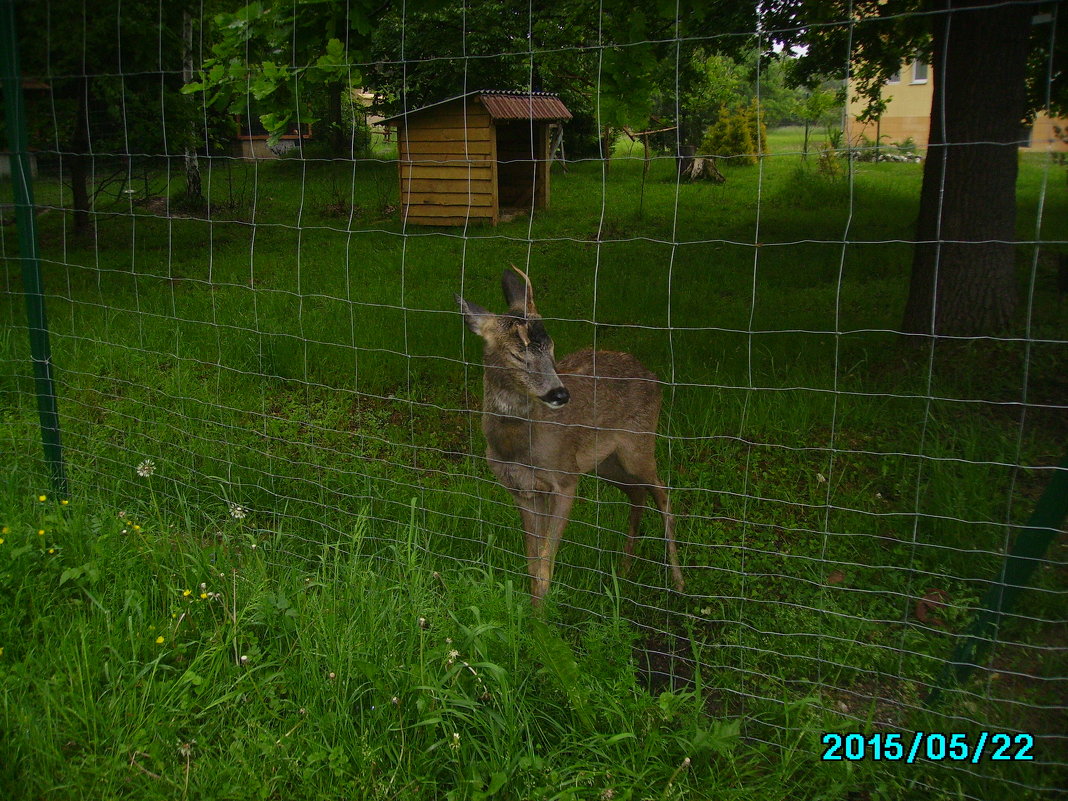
522, 167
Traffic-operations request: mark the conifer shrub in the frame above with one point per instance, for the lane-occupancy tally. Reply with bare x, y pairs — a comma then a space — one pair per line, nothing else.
738, 135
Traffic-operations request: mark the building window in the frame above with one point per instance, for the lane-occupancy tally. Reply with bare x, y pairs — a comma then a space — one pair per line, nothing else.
895, 78
919, 71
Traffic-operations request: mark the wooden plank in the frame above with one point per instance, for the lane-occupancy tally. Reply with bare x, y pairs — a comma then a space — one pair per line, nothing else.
441, 133
452, 183
458, 120
452, 200
479, 212
451, 221
482, 149
476, 170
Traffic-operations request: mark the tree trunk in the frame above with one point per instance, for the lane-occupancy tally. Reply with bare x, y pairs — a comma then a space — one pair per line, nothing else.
340, 145
193, 189
79, 162
963, 269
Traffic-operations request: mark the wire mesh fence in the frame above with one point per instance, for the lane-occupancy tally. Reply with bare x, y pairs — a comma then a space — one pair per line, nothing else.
251, 335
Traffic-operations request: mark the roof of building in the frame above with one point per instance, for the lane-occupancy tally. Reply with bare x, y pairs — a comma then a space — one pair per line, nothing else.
502, 105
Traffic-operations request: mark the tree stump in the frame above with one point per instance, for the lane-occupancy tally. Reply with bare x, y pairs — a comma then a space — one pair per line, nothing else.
702, 169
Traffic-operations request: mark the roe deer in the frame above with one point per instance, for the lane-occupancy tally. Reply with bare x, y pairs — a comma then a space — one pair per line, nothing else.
548, 423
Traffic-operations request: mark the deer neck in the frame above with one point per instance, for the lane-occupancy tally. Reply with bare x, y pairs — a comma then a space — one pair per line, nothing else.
507, 424
501, 403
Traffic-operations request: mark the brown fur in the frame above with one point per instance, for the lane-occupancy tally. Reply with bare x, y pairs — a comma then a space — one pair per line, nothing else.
539, 453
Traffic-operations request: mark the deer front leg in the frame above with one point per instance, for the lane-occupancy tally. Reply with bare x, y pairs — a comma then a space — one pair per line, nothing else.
532, 508
557, 507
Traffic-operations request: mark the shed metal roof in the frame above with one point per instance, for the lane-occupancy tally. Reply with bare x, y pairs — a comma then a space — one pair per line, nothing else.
501, 105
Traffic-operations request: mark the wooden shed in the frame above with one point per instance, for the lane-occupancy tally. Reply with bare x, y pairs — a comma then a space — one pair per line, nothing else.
476, 157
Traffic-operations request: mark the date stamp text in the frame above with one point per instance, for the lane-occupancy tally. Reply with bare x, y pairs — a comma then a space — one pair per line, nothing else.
933, 746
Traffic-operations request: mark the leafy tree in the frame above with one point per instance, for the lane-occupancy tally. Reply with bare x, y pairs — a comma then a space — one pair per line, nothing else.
288, 64
963, 272
613, 64
708, 83
820, 107
112, 94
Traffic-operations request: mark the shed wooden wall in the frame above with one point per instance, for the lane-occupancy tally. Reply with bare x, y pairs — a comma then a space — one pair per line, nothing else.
448, 172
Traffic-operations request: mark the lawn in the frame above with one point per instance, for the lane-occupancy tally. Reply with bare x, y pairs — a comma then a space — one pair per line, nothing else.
318, 590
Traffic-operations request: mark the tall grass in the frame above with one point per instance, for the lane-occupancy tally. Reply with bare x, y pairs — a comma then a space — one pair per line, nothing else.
293, 350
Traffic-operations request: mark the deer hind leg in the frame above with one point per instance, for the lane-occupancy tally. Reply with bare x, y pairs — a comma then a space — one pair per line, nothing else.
612, 470
637, 495
640, 465
663, 503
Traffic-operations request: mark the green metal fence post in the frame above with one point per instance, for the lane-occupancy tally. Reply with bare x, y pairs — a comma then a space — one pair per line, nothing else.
25, 220
1020, 562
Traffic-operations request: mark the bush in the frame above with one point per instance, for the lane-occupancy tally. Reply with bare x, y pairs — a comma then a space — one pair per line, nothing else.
739, 134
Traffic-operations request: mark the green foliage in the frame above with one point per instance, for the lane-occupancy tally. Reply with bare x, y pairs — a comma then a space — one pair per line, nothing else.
738, 135
283, 366
289, 62
105, 62
559, 661
885, 36
821, 107
613, 68
229, 668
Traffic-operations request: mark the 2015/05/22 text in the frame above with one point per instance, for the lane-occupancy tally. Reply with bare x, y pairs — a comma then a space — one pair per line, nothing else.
934, 746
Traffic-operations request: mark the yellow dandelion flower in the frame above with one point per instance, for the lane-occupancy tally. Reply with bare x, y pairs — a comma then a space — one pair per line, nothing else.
186, 593
40, 532
137, 528
51, 550
64, 502
159, 640
1, 540
5, 530
203, 595
42, 498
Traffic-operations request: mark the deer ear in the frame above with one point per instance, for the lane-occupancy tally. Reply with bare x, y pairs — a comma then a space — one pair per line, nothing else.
518, 291
475, 316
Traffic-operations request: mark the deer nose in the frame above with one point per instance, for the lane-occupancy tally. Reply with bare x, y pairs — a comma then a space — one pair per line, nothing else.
556, 397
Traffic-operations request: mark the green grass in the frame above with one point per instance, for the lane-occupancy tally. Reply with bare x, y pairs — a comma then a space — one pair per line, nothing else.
298, 353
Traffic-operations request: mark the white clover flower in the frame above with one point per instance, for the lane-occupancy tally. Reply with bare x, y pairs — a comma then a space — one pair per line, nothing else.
146, 468
455, 744
820, 478
237, 511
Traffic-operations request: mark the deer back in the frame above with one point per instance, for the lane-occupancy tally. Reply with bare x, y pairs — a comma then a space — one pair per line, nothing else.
615, 403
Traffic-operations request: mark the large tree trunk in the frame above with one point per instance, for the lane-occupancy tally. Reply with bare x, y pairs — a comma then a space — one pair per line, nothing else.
963, 269
340, 145
193, 189
79, 161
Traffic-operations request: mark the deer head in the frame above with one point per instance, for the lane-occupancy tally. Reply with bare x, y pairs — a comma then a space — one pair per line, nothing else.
519, 354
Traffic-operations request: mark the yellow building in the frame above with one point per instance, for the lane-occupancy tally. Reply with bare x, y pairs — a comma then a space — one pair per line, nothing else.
908, 115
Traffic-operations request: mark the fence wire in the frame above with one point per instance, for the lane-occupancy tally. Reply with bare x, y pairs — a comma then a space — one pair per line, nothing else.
286, 350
